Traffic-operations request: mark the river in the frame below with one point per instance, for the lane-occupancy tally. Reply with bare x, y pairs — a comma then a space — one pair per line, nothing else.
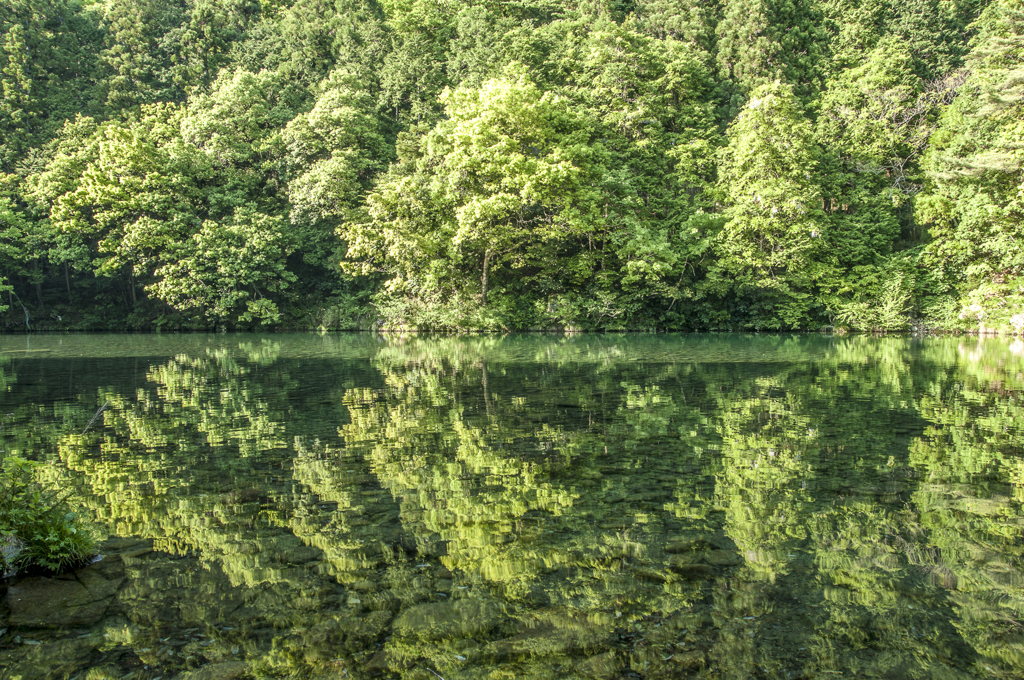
529, 506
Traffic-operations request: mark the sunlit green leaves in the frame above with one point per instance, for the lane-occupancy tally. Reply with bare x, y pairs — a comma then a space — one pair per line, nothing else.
974, 202
227, 265
511, 170
774, 242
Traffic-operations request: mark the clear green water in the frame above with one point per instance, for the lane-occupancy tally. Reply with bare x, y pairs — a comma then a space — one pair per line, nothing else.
525, 507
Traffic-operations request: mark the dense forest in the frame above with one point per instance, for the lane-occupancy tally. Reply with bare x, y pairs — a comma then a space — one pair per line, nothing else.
511, 165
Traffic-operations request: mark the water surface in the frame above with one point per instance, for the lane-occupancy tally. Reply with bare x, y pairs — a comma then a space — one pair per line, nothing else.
654, 506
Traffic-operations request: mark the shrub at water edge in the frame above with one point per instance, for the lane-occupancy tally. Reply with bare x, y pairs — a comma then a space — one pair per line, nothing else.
37, 528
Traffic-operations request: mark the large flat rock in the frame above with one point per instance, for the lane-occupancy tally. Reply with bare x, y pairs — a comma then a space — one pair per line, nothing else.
79, 599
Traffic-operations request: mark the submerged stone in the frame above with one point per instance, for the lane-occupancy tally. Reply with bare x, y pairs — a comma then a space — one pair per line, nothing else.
382, 601
301, 555
126, 547
227, 670
554, 631
42, 602
445, 620
684, 560
690, 571
601, 666
52, 659
652, 575
692, 660
722, 558
722, 542
359, 633
685, 546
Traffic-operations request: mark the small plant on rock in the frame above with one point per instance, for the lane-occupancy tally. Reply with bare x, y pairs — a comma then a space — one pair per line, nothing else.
38, 530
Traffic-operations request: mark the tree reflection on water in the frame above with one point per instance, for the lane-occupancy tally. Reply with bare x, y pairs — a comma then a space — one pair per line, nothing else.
587, 506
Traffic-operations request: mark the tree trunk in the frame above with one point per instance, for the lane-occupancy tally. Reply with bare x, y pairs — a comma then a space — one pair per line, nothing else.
487, 392
67, 281
39, 297
483, 279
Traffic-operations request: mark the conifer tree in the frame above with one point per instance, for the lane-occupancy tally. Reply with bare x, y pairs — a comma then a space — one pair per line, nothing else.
974, 201
315, 36
139, 60
761, 41
690, 22
773, 249
47, 70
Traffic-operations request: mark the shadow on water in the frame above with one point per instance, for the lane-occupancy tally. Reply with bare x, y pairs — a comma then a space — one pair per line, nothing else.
528, 506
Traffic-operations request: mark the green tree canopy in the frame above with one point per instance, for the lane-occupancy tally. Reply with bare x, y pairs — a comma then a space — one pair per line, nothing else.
774, 246
973, 201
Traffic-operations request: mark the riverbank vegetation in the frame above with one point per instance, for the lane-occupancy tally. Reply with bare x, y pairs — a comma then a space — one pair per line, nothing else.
600, 165
38, 530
